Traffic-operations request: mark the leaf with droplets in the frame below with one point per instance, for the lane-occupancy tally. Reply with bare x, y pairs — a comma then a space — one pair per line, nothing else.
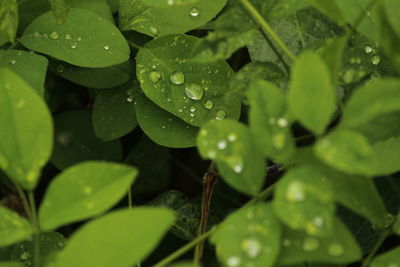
8, 19
341, 247
249, 237
371, 100
113, 116
78, 41
83, 191
156, 20
29, 66
98, 78
25, 137
192, 91
162, 127
388, 259
231, 145
304, 201
311, 96
120, 238
13, 228
347, 151
269, 122
75, 141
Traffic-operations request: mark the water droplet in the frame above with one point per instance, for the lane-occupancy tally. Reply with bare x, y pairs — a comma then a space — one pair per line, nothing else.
130, 98
130, 91
170, 2
310, 244
208, 104
74, 45
233, 261
194, 12
282, 122
335, 249
220, 115
154, 76
25, 255
169, 99
318, 221
63, 138
37, 35
232, 137
177, 78
54, 35
79, 39
192, 109
106, 47
194, 91
13, 61
252, 247
211, 154
60, 68
236, 163
222, 144
368, 49
295, 192
153, 31
375, 60
68, 36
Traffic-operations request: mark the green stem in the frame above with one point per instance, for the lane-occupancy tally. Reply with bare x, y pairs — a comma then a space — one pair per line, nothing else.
130, 197
23, 198
265, 27
36, 229
378, 244
261, 196
278, 55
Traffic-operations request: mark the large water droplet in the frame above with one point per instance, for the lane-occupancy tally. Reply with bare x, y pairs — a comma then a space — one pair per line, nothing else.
220, 115
194, 12
233, 261
25, 255
177, 78
310, 244
252, 247
192, 109
368, 49
106, 47
153, 31
375, 60
236, 163
130, 98
74, 45
295, 192
154, 76
282, 122
232, 137
194, 91
68, 36
208, 104
222, 144
54, 35
13, 61
335, 249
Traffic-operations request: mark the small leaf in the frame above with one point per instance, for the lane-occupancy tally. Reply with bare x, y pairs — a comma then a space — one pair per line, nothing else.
388, 156
113, 116
298, 247
162, 127
191, 91
371, 100
60, 9
156, 20
75, 141
83, 191
9, 19
121, 238
389, 259
304, 201
311, 96
269, 122
231, 145
29, 66
347, 151
25, 137
249, 237
78, 41
13, 228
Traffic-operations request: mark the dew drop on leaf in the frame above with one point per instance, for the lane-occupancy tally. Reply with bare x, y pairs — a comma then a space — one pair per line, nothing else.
295, 192
222, 144
208, 104
13, 61
233, 261
177, 78
54, 35
25, 255
282, 122
37, 35
106, 47
251, 246
236, 163
368, 49
310, 244
335, 249
192, 109
74, 45
194, 12
220, 115
68, 36
194, 91
232, 137
375, 60
154, 76
153, 31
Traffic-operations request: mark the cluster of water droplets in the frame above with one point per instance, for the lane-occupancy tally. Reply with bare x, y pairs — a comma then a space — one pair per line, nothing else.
130, 95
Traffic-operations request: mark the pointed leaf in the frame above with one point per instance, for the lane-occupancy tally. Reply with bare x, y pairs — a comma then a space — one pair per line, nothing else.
8, 18
13, 228
83, 191
60, 9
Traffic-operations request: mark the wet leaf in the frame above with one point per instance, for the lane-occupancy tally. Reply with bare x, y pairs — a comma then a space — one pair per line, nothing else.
13, 228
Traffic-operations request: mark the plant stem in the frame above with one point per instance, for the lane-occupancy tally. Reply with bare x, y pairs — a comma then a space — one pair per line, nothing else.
265, 27
130, 197
278, 55
382, 238
261, 196
36, 229
23, 198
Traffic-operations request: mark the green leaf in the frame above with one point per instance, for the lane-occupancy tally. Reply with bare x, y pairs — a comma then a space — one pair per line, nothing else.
304, 201
84, 46
329, 8
249, 237
13, 228
121, 238
347, 151
239, 162
113, 116
390, 258
83, 191
332, 54
388, 156
371, 100
29, 66
162, 127
100, 7
157, 20
75, 141
341, 247
269, 122
273, 10
311, 90
191, 91
382, 127
60, 9
8, 19
389, 39
26, 136
98, 78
